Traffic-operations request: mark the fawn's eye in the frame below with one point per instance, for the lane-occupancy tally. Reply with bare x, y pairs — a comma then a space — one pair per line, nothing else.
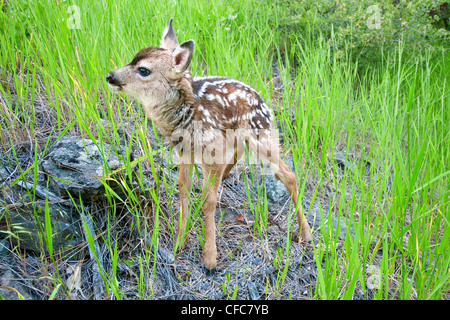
144, 72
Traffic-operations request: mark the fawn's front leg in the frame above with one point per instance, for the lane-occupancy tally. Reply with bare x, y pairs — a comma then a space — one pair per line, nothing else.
184, 186
211, 181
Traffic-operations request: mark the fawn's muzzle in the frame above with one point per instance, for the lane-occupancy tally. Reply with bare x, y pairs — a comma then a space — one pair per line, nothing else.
112, 80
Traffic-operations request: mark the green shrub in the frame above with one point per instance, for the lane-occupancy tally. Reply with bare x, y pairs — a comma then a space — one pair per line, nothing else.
367, 27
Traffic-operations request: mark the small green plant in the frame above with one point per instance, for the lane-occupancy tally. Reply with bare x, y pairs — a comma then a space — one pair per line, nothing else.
226, 292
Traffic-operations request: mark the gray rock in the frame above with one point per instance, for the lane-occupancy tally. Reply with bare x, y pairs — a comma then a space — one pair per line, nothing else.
350, 159
253, 291
4, 247
27, 222
73, 166
166, 256
3, 174
275, 189
12, 289
23, 210
319, 219
343, 161
77, 167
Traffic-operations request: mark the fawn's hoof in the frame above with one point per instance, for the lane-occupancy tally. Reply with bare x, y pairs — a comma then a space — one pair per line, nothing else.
209, 272
210, 264
305, 238
306, 243
210, 258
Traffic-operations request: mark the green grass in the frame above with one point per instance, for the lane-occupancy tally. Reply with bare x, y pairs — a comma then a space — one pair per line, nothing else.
397, 113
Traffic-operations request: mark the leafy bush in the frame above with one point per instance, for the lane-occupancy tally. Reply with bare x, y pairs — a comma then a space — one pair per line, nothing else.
366, 27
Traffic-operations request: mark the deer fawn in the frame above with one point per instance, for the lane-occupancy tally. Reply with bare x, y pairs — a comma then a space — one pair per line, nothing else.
216, 117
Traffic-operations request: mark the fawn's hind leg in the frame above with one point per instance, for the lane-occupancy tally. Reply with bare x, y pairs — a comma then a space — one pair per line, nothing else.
287, 177
269, 152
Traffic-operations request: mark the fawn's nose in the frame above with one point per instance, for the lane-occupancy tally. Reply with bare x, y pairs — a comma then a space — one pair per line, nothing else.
113, 80
109, 78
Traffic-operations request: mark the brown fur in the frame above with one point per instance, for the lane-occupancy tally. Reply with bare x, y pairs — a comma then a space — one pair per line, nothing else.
214, 116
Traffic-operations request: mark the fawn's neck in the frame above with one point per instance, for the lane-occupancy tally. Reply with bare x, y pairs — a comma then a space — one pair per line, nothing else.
177, 112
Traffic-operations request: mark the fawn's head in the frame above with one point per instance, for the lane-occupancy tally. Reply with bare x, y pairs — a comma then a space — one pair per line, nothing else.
152, 76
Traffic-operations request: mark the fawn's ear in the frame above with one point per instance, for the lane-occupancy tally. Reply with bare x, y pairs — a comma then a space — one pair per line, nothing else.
169, 39
182, 56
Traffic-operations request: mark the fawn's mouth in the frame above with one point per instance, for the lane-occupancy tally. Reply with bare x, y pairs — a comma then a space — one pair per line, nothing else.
116, 87
113, 82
